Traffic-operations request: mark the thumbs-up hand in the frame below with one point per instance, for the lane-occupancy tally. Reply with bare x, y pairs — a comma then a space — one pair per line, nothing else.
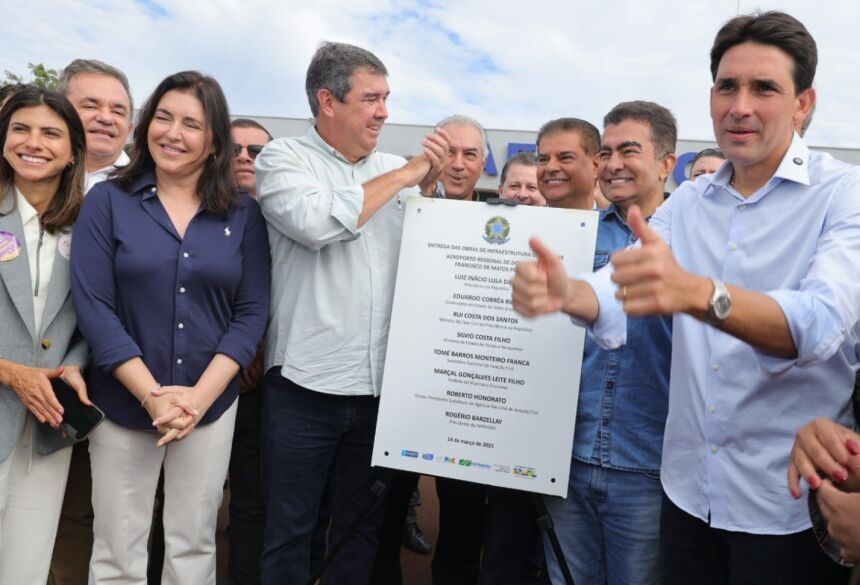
539, 287
650, 281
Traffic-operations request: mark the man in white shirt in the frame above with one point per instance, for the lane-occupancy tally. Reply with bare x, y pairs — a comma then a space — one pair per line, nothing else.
101, 96
754, 360
335, 207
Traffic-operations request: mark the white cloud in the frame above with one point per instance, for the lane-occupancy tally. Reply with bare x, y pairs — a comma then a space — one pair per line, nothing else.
509, 64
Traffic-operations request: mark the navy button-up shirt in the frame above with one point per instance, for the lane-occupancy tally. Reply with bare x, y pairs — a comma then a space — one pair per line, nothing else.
624, 393
141, 290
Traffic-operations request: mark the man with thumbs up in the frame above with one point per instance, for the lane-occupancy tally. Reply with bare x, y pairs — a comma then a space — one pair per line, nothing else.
758, 264
608, 525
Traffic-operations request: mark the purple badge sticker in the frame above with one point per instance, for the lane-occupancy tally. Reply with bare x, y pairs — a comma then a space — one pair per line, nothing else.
10, 247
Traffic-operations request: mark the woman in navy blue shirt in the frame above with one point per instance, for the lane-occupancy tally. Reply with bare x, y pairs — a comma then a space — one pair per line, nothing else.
170, 278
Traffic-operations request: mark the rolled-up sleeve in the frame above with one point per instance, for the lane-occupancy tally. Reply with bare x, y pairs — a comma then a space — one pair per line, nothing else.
823, 313
251, 305
298, 204
93, 283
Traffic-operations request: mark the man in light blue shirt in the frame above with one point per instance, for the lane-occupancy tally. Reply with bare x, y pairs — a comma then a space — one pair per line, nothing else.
754, 360
334, 207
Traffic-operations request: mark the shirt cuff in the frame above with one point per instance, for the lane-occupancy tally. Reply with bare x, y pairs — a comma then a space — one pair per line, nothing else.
815, 334
346, 206
112, 355
609, 331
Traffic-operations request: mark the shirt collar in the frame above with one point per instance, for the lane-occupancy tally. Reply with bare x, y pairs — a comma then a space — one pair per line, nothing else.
121, 161
793, 167
27, 211
145, 184
795, 164
610, 213
318, 141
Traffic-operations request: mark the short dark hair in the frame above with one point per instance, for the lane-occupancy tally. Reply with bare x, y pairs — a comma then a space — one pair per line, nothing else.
664, 129
217, 184
96, 67
778, 29
588, 133
522, 157
66, 203
249, 123
332, 67
708, 152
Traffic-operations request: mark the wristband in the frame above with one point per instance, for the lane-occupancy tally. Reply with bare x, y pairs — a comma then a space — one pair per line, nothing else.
145, 398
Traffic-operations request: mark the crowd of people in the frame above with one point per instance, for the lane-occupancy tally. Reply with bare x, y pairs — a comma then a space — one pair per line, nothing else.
224, 297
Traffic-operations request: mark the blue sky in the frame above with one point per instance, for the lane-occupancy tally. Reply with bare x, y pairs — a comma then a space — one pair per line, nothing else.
510, 64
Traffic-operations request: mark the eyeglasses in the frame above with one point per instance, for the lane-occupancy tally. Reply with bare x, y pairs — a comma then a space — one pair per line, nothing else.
253, 150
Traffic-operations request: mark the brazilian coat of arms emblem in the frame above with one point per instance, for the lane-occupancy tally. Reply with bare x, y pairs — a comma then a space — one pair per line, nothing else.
496, 230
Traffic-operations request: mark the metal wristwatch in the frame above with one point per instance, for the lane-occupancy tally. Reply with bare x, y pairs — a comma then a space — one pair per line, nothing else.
720, 303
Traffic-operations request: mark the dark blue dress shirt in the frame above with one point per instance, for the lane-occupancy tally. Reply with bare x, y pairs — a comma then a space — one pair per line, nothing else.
141, 290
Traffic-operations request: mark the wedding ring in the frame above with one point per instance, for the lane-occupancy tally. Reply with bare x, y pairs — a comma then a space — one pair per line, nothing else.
624, 292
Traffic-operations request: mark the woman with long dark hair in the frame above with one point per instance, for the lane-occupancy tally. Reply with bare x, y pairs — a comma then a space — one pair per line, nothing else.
170, 277
41, 190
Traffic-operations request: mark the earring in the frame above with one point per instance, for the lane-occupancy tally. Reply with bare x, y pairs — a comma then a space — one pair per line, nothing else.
70, 164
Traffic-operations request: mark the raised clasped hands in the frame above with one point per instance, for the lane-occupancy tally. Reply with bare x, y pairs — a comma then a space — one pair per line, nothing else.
435, 157
174, 412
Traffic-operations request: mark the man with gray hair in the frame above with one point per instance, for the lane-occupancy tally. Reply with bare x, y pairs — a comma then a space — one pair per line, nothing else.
335, 208
100, 94
467, 155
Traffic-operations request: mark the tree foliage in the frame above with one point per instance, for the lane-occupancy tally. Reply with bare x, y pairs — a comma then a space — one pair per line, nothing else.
41, 77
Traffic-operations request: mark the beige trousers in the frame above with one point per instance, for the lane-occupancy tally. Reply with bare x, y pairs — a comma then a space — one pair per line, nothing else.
126, 465
31, 495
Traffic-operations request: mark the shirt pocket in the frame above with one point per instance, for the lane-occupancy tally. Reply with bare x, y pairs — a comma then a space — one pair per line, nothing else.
601, 259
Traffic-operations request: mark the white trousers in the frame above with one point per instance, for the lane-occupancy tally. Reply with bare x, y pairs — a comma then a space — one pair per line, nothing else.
125, 465
31, 495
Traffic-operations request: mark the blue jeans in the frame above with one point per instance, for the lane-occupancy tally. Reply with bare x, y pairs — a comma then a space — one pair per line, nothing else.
608, 527
308, 438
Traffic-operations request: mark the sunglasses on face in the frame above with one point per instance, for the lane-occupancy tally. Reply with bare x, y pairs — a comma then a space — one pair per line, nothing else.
253, 150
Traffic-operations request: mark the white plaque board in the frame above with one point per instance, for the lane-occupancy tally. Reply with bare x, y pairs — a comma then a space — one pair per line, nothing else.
472, 390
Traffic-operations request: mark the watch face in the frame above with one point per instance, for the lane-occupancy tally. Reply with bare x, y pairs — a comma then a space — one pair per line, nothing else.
722, 306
